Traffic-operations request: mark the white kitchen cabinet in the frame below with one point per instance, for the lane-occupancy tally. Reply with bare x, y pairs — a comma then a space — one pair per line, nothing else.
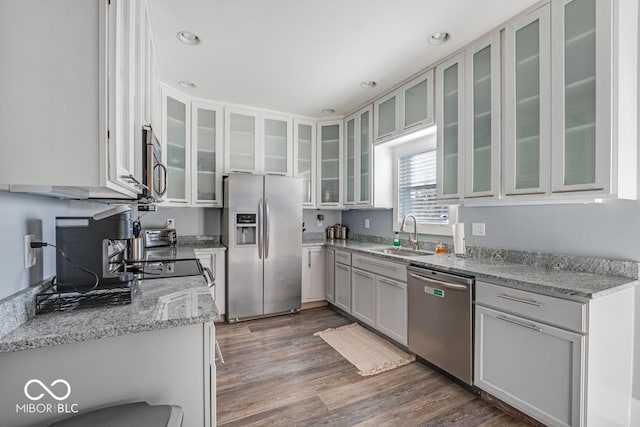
408, 108
450, 104
258, 142
241, 132
594, 81
363, 296
176, 145
527, 344
206, 154
313, 274
330, 164
358, 159
391, 308
527, 112
342, 283
215, 260
304, 158
330, 269
85, 92
482, 159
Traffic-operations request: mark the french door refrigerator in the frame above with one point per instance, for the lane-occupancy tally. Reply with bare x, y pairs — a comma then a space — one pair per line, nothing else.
261, 227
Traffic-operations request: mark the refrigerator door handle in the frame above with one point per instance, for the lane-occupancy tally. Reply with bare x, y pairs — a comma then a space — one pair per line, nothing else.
259, 229
267, 225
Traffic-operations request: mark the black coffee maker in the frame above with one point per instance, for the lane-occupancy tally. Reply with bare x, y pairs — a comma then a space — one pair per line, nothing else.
93, 248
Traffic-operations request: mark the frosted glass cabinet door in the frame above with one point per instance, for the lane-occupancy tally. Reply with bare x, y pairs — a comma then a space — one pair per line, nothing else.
330, 149
276, 145
581, 81
304, 148
417, 105
365, 158
527, 54
450, 104
350, 160
206, 150
483, 118
241, 144
177, 122
387, 111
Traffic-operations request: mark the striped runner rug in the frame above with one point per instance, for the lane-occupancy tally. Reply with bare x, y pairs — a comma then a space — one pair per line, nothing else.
364, 349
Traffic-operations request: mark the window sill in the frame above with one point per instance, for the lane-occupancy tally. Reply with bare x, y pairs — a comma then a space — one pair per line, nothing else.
432, 229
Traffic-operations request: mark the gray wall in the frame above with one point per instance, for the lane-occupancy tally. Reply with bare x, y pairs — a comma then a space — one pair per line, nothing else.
189, 221
309, 217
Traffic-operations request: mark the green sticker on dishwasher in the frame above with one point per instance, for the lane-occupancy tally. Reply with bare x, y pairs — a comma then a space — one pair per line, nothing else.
434, 291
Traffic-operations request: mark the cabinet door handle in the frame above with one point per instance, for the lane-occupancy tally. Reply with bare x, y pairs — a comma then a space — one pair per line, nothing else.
377, 264
360, 273
523, 301
440, 282
515, 322
309, 253
388, 282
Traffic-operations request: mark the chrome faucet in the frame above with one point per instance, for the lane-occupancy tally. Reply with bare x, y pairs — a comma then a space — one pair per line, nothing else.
413, 241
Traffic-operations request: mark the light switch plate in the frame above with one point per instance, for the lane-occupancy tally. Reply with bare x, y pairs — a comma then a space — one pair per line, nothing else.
477, 229
366, 223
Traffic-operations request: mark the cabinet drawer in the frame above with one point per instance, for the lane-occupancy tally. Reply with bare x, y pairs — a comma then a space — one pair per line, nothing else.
343, 257
554, 311
381, 267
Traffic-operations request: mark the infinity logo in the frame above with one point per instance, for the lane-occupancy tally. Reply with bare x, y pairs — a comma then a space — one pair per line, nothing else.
52, 394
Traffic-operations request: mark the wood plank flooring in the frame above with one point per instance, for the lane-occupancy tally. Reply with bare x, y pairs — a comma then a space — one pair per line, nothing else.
278, 374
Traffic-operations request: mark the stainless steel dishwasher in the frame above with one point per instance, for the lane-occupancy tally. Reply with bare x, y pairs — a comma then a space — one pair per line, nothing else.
440, 320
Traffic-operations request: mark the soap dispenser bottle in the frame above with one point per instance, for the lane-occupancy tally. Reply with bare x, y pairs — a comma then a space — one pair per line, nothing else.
396, 240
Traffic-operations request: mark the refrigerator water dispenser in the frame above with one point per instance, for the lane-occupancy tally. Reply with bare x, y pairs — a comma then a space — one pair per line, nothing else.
246, 230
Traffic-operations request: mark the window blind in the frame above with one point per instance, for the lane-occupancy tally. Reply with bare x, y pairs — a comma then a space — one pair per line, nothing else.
417, 189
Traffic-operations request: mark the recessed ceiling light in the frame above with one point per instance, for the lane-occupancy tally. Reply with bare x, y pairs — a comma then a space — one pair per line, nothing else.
187, 84
438, 37
328, 111
368, 84
187, 37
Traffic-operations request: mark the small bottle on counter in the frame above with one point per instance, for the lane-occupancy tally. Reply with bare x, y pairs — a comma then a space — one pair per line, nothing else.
440, 248
396, 239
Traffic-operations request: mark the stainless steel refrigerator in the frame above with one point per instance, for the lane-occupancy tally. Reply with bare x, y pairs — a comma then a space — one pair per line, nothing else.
261, 227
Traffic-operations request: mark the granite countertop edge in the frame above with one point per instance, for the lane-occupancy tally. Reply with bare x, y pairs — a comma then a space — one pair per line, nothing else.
94, 334
477, 269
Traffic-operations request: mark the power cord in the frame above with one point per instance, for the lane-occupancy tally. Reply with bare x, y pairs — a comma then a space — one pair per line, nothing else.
36, 245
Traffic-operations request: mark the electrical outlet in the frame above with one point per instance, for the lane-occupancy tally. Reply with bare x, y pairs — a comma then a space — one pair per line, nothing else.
171, 223
366, 223
29, 252
477, 229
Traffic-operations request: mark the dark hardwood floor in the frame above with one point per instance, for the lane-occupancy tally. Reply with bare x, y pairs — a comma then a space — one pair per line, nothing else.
277, 373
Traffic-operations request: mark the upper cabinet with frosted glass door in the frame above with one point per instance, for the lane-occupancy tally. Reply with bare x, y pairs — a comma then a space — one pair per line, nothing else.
330, 146
276, 144
451, 126
406, 109
482, 175
176, 134
241, 133
358, 159
206, 154
304, 158
527, 111
594, 97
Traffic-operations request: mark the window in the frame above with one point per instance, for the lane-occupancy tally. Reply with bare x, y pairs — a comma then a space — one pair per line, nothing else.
415, 181
417, 189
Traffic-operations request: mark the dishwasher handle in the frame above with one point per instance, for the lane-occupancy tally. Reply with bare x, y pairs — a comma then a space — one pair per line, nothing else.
439, 282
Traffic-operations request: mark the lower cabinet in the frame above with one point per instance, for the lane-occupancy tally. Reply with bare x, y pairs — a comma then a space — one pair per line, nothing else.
531, 365
313, 274
391, 308
329, 263
215, 260
363, 296
342, 280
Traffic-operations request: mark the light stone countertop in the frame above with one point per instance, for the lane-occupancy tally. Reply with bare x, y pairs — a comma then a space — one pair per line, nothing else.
578, 286
158, 304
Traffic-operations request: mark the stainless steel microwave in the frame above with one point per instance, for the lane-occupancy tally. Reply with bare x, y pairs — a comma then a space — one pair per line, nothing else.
154, 172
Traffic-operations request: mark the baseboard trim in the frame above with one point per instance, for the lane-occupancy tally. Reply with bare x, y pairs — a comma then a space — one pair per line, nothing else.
313, 304
635, 412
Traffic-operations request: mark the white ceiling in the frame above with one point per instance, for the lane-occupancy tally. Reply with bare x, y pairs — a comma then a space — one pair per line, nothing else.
302, 56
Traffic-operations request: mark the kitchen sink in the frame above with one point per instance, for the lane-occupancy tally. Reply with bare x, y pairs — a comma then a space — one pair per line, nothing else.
406, 252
